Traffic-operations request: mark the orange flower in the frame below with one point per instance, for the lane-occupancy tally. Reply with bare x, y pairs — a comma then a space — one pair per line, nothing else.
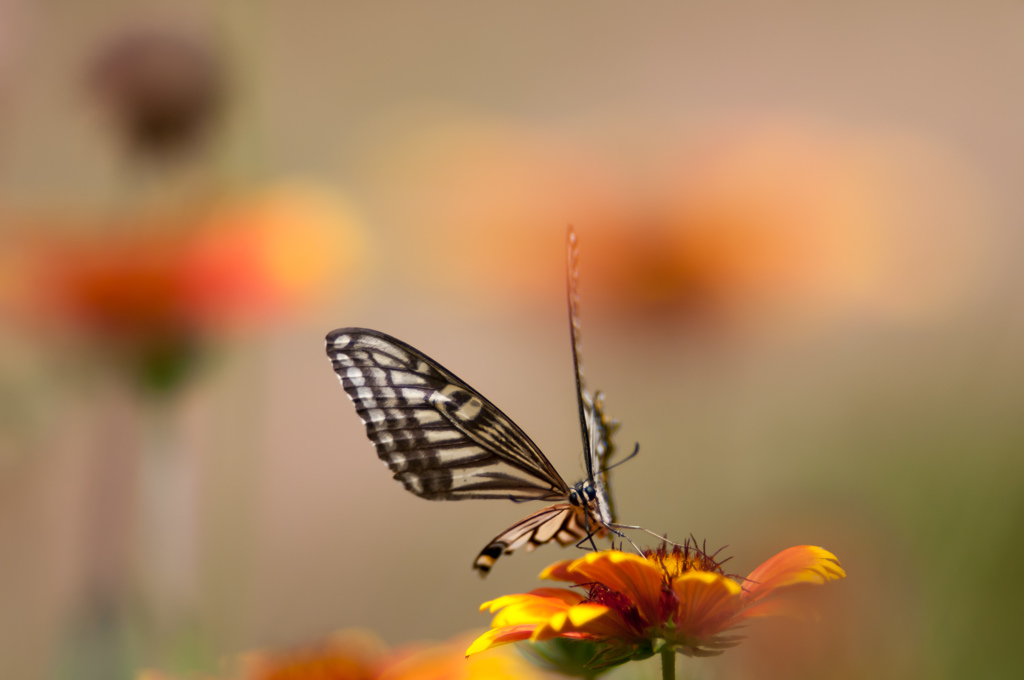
193, 271
360, 655
759, 223
447, 661
346, 655
636, 606
151, 291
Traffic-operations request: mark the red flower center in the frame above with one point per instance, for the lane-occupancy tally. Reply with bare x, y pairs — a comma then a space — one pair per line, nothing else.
603, 595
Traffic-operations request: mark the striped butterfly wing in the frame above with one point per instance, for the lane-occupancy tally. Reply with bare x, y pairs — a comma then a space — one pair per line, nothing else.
440, 438
562, 522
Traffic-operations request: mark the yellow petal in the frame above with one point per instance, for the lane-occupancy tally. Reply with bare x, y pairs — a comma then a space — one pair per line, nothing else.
579, 620
556, 594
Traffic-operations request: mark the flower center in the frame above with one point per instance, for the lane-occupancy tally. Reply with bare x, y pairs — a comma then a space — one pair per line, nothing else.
603, 595
681, 559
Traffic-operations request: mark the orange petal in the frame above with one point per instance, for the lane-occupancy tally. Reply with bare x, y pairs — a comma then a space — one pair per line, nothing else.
707, 602
635, 577
558, 572
799, 564
780, 607
500, 636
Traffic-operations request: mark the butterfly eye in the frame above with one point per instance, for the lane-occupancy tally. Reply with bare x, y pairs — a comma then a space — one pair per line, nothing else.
574, 497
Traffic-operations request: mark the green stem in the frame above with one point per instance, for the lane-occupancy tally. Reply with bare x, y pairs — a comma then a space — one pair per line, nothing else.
668, 663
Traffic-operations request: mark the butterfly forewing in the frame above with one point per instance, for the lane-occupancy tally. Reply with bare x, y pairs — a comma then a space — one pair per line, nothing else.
594, 428
441, 438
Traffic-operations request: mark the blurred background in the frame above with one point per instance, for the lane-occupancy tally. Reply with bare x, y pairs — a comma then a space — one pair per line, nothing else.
800, 233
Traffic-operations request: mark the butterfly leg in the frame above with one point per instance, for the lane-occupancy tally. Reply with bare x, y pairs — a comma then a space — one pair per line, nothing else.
644, 529
614, 530
590, 533
590, 537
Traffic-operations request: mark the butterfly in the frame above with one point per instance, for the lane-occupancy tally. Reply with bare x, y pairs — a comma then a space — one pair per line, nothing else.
443, 440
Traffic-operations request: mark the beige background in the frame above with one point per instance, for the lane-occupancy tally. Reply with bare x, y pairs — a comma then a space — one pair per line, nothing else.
877, 415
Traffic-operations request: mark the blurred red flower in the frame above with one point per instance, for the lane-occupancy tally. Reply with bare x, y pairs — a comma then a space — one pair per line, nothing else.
151, 291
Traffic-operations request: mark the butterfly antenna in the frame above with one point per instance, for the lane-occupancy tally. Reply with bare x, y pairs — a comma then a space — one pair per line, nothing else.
636, 450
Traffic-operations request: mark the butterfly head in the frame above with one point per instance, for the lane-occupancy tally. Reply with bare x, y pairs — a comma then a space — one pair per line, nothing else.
590, 495
583, 494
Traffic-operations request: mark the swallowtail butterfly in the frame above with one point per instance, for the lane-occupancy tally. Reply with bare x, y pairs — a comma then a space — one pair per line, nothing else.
443, 440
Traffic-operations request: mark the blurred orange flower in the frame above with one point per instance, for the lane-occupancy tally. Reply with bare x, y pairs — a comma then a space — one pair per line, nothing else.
360, 655
447, 661
346, 655
786, 222
151, 291
637, 606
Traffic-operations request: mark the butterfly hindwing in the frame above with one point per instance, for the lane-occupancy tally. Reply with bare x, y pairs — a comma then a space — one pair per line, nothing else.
440, 438
561, 522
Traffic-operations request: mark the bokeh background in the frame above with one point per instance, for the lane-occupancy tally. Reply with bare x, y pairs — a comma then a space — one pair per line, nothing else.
801, 235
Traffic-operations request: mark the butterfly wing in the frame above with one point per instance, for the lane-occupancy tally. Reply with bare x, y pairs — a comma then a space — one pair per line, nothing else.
594, 427
602, 448
561, 522
440, 438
